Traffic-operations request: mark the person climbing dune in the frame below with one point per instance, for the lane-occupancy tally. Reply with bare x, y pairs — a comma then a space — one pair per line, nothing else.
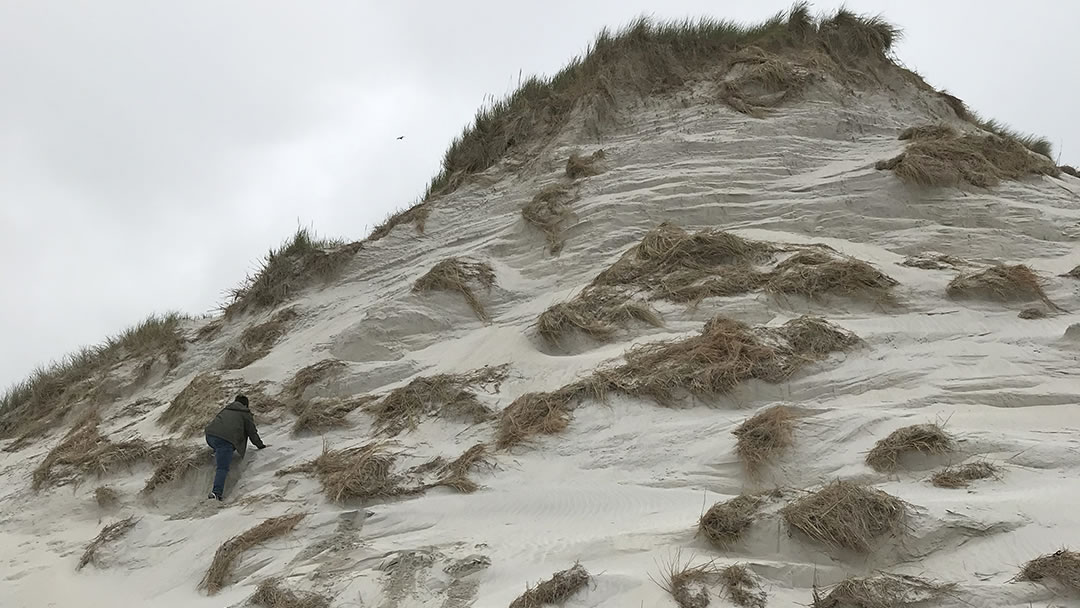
229, 432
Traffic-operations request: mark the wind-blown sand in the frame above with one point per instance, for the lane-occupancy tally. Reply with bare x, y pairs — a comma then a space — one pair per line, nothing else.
621, 490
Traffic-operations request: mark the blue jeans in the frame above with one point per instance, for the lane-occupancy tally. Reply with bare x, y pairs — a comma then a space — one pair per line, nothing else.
223, 452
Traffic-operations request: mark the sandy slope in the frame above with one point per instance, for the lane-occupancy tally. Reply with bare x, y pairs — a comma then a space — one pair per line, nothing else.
623, 488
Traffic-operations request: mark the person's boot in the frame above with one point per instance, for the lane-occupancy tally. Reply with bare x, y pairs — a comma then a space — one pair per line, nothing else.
213, 496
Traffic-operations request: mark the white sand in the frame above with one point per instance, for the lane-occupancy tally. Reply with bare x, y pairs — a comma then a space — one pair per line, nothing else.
621, 490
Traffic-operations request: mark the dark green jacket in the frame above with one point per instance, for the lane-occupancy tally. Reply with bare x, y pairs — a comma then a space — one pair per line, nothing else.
236, 425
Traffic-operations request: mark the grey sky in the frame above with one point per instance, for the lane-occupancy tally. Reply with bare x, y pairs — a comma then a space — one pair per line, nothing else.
150, 153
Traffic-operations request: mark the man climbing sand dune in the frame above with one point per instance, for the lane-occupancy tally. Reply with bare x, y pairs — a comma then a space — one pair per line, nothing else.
230, 431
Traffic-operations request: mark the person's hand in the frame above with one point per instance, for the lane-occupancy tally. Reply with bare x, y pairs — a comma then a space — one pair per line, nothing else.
261, 447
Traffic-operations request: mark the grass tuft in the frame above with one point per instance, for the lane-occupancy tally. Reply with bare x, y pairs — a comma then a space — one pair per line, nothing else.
1001, 283
961, 476
928, 439
214, 579
1061, 567
847, 515
172, 462
724, 523
881, 591
597, 312
271, 594
549, 211
555, 590
764, 437
980, 160
106, 497
358, 473
323, 415
1069, 170
535, 414
741, 586
107, 535
928, 132
308, 376
297, 264
444, 395
454, 274
578, 166
416, 215
83, 451
257, 340
194, 406
688, 585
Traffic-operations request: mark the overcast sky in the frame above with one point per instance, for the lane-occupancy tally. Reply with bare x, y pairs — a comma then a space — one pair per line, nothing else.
151, 152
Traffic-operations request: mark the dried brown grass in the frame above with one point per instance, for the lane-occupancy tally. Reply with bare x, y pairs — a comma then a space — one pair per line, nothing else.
741, 586
764, 437
535, 414
274, 527
980, 160
688, 585
1001, 283
847, 515
299, 263
881, 591
271, 594
444, 395
174, 461
584, 166
933, 262
456, 473
84, 451
812, 276
416, 215
724, 523
1061, 567
195, 405
928, 439
106, 497
724, 354
928, 132
760, 80
361, 473
454, 274
555, 590
1073, 274
1069, 170
108, 534
321, 416
549, 211
597, 312
1032, 313
961, 476
294, 389
256, 341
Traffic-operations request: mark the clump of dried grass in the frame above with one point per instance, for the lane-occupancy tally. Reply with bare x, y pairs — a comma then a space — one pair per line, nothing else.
881, 591
813, 337
535, 414
1073, 274
760, 80
928, 439
597, 312
549, 210
928, 132
416, 215
741, 586
1069, 170
724, 523
45, 399
84, 450
271, 594
930, 261
813, 275
847, 515
323, 415
363, 472
445, 395
724, 354
256, 341
1032, 313
172, 462
584, 166
220, 568
555, 590
310, 375
1002, 283
195, 405
456, 473
1061, 567
106, 497
688, 585
284, 272
979, 160
108, 534
454, 274
765, 436
961, 476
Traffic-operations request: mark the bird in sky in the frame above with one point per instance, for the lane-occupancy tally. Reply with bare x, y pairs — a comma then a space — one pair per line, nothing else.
401, 137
